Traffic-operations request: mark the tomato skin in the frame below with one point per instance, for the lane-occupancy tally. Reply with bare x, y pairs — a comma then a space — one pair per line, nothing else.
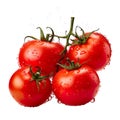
96, 52
40, 53
25, 91
76, 87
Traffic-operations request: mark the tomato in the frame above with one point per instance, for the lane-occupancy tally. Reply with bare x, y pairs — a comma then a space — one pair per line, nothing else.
29, 89
95, 52
76, 87
40, 53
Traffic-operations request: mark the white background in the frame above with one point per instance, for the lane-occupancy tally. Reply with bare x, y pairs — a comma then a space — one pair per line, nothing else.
20, 18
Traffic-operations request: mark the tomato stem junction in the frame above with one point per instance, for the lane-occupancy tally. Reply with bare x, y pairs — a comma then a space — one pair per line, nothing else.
37, 76
72, 65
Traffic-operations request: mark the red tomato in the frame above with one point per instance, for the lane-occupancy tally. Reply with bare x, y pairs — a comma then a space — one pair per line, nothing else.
95, 52
28, 91
41, 53
76, 87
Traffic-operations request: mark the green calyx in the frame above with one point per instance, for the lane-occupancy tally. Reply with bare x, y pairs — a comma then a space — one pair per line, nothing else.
71, 65
36, 76
81, 39
47, 38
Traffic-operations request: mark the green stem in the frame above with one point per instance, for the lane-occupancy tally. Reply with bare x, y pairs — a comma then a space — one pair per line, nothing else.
70, 32
68, 35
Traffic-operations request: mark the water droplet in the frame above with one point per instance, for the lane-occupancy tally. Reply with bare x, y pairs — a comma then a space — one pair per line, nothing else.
29, 95
34, 52
76, 53
82, 52
58, 101
104, 68
108, 63
71, 48
49, 98
93, 100
78, 48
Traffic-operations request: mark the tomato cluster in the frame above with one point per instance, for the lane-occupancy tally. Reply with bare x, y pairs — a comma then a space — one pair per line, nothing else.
68, 71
